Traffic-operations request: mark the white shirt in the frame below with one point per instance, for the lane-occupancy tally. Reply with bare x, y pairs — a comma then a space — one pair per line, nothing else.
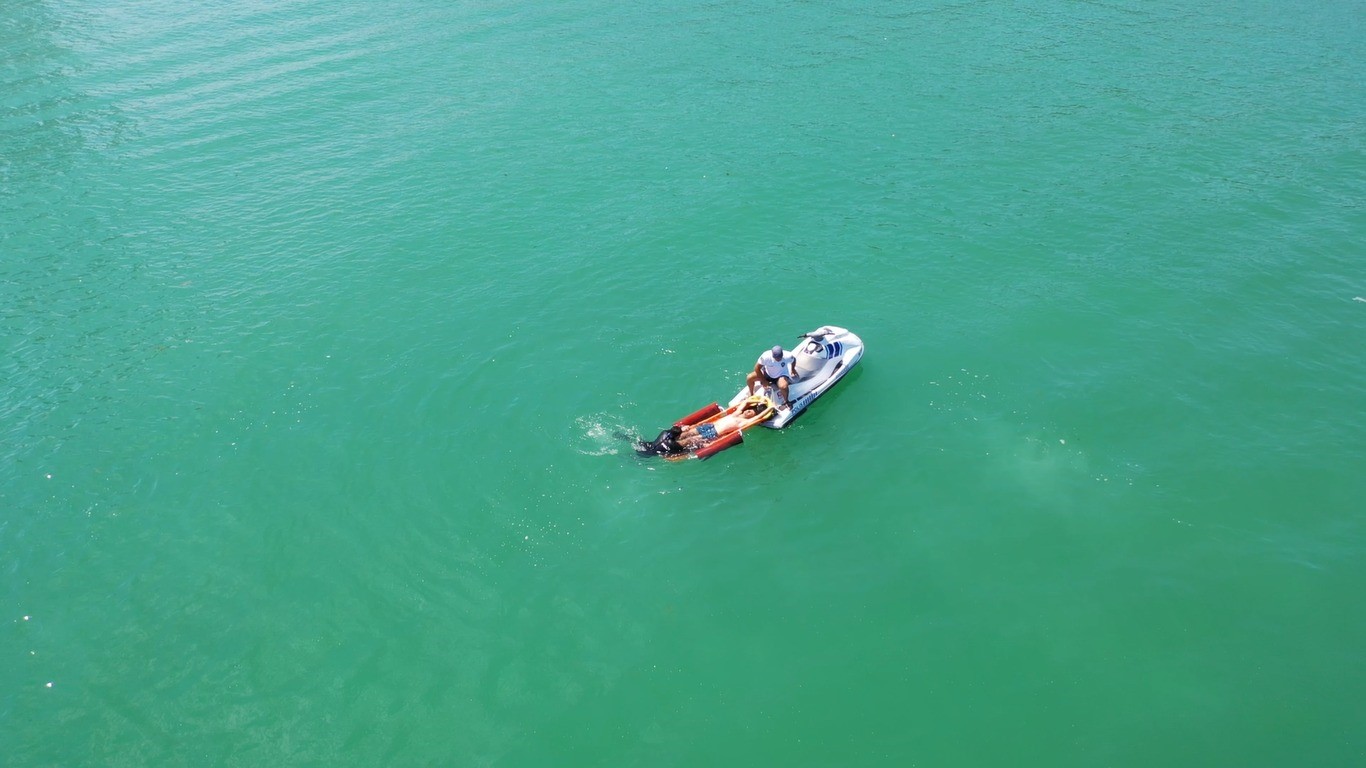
775, 368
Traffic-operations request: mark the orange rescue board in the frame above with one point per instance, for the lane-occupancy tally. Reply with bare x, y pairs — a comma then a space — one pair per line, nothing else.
713, 413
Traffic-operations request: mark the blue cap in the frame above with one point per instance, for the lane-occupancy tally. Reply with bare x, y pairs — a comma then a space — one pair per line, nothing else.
778, 352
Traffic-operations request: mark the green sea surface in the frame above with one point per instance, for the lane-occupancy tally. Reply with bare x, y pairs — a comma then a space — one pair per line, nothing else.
321, 322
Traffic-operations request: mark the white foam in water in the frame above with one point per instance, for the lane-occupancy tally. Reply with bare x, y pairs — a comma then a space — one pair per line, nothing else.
600, 435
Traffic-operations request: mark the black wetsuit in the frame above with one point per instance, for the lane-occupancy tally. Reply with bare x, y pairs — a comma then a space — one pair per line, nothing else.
664, 445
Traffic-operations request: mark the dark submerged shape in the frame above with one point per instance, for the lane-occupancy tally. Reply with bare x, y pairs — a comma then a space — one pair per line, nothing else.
664, 445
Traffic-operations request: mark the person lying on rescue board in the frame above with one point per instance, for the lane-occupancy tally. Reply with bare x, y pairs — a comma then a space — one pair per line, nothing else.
691, 438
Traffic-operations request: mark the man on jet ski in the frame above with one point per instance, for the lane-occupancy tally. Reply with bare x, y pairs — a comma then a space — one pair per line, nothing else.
774, 367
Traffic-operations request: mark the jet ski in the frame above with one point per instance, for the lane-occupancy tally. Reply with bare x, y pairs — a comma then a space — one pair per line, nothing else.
708, 430
822, 357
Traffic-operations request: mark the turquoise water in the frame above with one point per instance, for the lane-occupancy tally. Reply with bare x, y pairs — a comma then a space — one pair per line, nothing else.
319, 322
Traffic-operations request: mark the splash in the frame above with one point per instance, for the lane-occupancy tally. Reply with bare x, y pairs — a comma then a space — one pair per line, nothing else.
602, 434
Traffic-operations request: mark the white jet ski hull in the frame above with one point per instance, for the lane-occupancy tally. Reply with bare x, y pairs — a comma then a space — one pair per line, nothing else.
823, 357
